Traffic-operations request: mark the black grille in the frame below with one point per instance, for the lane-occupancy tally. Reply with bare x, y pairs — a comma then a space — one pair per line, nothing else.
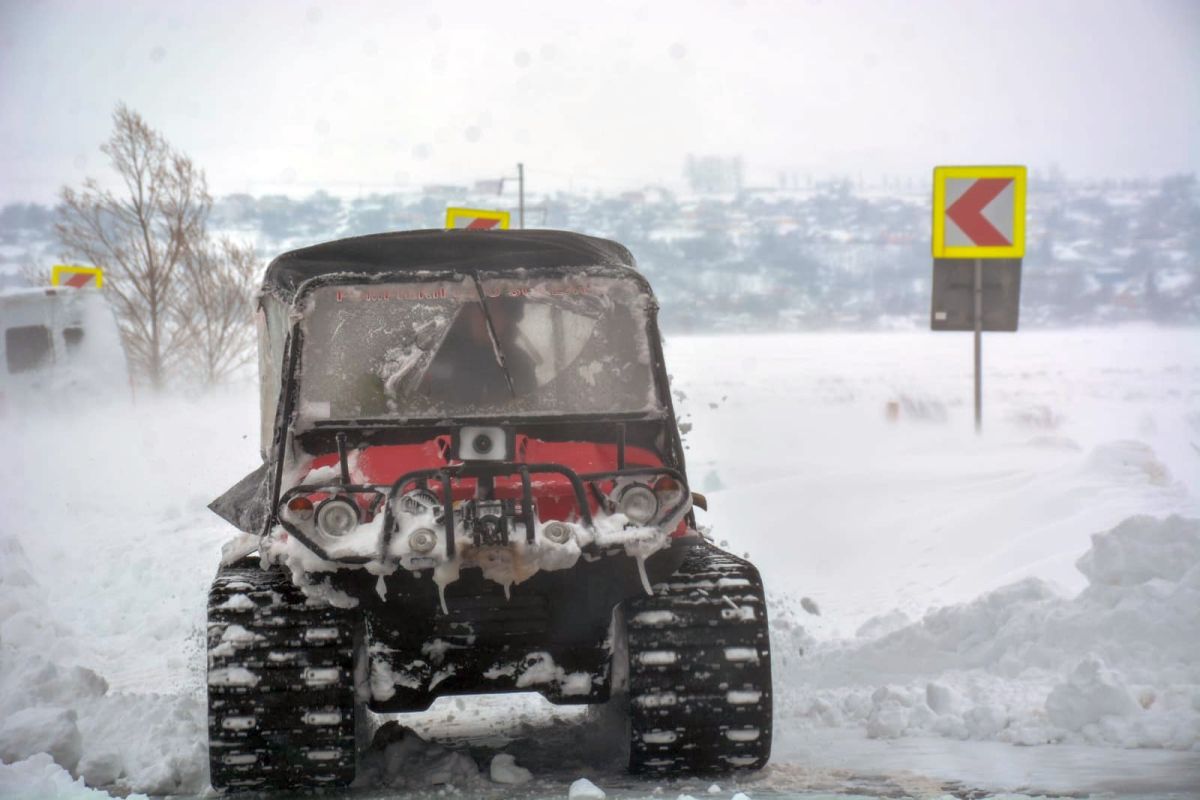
492, 619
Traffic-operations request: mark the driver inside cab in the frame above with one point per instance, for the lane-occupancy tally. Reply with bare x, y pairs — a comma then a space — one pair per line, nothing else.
466, 370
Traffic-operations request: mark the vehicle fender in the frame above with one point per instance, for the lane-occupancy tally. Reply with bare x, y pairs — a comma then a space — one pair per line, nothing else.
244, 505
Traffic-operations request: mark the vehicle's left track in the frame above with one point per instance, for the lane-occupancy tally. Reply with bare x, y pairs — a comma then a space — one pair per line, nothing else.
280, 684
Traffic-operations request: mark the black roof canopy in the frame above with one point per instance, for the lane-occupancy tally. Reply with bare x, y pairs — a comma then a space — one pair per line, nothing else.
466, 251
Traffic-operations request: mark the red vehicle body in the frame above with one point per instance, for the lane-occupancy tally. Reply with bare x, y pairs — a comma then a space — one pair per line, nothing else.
383, 464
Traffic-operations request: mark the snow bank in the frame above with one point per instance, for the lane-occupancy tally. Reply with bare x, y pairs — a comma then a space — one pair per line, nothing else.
31, 731
40, 778
67, 714
1137, 552
1117, 665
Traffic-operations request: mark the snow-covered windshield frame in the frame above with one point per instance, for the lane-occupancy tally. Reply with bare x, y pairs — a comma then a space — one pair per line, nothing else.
285, 415
293, 373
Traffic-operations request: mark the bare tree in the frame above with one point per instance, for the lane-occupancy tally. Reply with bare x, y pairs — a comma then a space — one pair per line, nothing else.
32, 269
141, 235
217, 313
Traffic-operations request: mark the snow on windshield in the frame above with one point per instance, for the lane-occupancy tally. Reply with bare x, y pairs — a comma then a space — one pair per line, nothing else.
423, 349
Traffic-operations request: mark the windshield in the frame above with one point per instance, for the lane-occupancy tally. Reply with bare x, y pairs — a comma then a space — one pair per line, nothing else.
431, 349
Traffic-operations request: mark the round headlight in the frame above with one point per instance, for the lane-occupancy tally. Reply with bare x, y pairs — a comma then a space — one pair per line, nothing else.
557, 532
639, 503
422, 540
337, 517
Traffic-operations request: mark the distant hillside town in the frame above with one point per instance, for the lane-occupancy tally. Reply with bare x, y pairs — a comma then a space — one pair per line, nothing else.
792, 257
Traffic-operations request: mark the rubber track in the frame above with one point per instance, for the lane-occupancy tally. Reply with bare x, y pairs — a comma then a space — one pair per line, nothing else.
281, 687
700, 669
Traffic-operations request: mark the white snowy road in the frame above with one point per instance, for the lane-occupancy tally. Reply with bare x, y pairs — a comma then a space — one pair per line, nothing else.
1082, 429
561, 745
107, 551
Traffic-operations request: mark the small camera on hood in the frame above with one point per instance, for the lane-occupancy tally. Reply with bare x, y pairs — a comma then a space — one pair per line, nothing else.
479, 443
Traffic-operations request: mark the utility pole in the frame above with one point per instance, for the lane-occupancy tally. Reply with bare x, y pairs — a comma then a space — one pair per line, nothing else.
521, 195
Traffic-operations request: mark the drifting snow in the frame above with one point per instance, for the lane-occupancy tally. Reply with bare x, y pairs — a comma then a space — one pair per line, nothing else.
103, 580
1117, 665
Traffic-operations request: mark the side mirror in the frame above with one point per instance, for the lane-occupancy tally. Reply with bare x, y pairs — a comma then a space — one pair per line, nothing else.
699, 500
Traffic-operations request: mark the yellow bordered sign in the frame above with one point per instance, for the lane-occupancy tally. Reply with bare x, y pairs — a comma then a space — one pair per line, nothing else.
979, 212
76, 277
479, 219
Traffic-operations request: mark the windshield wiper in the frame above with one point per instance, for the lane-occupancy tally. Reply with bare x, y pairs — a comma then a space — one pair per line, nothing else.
487, 318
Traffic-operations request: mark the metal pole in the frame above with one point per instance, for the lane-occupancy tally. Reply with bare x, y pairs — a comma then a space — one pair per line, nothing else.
521, 195
978, 345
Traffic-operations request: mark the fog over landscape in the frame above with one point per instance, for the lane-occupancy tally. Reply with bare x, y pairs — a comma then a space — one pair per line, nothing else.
802, 257
279, 97
768, 163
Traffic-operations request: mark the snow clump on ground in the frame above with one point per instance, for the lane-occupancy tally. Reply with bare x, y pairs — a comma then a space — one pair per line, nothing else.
504, 769
583, 789
401, 759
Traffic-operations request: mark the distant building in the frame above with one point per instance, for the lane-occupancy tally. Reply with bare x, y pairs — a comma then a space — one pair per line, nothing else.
714, 174
444, 190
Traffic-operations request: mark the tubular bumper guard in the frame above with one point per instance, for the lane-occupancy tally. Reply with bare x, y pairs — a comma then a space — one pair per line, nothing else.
447, 475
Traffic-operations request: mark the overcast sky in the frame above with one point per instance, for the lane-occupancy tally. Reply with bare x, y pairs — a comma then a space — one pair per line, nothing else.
294, 96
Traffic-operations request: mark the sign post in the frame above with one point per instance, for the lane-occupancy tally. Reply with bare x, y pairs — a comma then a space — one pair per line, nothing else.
978, 272
978, 216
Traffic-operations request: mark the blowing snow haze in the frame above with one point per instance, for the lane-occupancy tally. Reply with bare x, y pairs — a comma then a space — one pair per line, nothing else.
287, 98
889, 589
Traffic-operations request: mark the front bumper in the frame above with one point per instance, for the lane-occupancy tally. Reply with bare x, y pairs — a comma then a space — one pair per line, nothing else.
521, 479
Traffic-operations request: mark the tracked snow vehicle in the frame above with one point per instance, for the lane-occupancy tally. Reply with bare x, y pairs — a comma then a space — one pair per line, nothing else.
473, 482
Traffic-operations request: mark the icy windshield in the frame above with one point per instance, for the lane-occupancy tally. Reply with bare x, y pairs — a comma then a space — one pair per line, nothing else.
431, 349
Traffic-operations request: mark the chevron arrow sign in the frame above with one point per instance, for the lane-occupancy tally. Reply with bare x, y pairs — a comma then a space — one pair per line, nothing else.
979, 212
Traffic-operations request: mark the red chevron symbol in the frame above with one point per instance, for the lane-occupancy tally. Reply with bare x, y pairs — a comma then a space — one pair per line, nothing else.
479, 224
967, 212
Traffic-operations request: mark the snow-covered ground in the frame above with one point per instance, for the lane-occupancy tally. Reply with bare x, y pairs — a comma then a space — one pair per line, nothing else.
1029, 586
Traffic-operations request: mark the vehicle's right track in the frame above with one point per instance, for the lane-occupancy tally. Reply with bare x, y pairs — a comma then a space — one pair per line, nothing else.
700, 669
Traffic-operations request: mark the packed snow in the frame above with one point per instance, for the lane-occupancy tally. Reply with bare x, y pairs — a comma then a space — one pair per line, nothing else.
937, 597
40, 777
1117, 665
